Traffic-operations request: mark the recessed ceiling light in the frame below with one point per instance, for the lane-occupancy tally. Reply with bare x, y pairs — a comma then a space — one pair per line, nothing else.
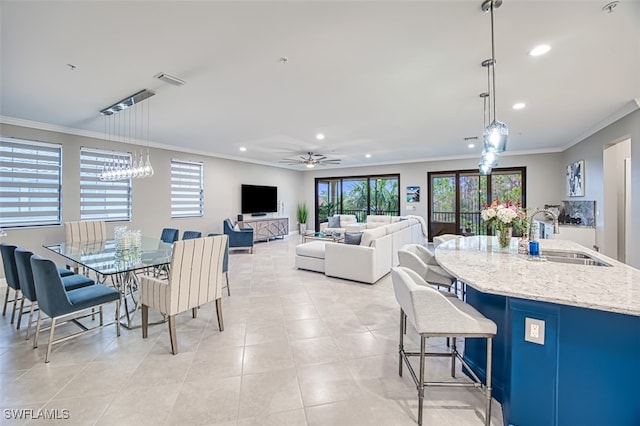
540, 50
243, 149
319, 136
472, 145
368, 155
519, 105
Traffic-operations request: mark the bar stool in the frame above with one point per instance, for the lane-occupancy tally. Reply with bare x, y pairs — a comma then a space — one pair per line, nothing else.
435, 315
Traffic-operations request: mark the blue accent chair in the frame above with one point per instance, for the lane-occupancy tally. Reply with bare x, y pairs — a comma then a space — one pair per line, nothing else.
169, 235
25, 276
57, 303
241, 240
189, 235
225, 264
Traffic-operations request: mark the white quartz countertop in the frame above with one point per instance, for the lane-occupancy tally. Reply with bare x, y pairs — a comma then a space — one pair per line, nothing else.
479, 262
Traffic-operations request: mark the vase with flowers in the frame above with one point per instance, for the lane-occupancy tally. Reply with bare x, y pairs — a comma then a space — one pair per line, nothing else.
504, 217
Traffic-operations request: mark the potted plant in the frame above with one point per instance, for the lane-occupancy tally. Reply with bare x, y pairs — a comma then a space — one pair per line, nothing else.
302, 214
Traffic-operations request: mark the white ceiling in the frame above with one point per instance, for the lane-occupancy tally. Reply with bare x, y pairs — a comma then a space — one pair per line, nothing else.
399, 80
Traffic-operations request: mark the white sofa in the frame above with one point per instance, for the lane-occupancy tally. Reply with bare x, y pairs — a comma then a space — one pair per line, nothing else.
348, 223
367, 262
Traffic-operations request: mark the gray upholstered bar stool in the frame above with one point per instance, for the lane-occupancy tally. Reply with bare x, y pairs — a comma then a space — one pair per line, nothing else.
442, 238
435, 315
419, 259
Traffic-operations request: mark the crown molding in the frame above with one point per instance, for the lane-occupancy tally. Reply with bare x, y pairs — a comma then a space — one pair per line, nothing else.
627, 109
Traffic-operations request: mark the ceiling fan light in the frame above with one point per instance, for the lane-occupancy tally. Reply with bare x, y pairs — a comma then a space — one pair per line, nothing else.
495, 136
310, 165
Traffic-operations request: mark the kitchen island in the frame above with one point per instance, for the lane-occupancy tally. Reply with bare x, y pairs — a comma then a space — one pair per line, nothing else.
580, 364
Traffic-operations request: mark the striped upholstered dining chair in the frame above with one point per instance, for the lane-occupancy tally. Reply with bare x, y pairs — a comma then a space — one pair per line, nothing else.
195, 278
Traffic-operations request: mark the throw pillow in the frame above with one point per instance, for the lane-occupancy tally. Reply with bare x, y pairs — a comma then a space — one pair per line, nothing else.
236, 228
334, 222
352, 238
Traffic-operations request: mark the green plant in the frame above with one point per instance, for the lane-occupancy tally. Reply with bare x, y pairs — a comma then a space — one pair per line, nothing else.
302, 213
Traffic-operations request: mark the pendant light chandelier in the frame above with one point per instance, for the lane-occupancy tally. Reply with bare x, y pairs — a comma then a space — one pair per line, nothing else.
495, 135
488, 160
137, 167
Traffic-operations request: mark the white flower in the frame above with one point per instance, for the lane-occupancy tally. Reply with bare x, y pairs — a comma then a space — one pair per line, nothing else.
506, 215
488, 214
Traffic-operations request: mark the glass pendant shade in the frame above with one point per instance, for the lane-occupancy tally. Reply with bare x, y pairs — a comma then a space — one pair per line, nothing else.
490, 158
484, 169
495, 137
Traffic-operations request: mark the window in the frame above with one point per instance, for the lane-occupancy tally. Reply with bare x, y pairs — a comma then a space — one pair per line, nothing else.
187, 194
30, 178
456, 198
358, 195
103, 200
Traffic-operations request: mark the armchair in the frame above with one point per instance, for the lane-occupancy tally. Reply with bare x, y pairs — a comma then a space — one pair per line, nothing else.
241, 239
194, 279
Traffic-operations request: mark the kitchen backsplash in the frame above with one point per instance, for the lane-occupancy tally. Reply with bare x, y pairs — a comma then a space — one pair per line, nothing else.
578, 212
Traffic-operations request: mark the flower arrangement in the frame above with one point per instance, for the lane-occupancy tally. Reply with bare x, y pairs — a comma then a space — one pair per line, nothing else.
503, 216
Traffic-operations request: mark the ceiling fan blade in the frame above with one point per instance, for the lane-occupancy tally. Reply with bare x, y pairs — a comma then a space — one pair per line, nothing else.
322, 158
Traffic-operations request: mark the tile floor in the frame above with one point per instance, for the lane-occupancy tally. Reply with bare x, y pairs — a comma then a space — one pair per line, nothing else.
298, 349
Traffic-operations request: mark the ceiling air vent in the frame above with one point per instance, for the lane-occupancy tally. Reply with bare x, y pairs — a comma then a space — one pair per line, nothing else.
168, 78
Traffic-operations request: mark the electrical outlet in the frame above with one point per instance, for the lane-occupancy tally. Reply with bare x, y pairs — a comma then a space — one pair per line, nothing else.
534, 331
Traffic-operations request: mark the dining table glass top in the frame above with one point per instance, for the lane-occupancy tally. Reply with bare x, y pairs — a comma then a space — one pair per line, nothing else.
107, 258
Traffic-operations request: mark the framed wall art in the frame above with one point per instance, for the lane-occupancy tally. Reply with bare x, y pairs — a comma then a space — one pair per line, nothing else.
575, 179
413, 194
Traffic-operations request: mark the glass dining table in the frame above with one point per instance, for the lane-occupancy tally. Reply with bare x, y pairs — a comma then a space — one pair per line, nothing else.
120, 265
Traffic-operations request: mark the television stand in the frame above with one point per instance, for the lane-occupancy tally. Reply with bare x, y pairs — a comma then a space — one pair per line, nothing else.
266, 229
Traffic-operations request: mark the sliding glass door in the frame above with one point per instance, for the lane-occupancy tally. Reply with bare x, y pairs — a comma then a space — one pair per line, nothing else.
357, 195
456, 198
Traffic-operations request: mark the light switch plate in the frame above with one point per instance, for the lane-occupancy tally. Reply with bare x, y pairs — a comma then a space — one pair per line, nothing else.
534, 330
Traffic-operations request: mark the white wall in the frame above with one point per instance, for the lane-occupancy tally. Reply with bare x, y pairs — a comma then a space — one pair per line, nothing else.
591, 151
545, 177
151, 197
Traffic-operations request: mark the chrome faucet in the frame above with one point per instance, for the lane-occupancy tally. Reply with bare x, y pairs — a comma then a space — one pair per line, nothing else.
556, 228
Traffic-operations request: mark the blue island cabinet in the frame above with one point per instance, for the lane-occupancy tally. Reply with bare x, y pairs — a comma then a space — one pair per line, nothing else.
587, 373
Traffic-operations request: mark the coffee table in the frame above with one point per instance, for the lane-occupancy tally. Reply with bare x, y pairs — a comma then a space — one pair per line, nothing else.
321, 236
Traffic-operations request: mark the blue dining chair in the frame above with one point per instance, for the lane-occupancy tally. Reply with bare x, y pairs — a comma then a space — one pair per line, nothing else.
169, 235
189, 235
25, 277
11, 277
57, 303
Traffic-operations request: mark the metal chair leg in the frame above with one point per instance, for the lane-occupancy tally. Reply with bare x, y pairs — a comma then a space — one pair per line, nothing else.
117, 318
226, 275
219, 313
454, 351
421, 385
50, 344
20, 313
194, 312
33, 304
35, 338
15, 306
6, 300
403, 325
487, 419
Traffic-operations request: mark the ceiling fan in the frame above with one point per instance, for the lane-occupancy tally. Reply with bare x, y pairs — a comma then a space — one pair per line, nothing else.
310, 160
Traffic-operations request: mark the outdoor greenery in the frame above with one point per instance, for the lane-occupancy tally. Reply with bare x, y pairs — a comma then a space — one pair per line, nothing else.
474, 196
359, 196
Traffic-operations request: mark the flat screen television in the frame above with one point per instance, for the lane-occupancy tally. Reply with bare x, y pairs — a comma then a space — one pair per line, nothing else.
258, 199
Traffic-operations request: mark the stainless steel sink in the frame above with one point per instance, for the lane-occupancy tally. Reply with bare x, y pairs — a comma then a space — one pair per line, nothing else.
571, 257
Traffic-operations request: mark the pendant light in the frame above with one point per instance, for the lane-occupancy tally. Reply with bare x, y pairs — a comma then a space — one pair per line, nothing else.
496, 133
121, 169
